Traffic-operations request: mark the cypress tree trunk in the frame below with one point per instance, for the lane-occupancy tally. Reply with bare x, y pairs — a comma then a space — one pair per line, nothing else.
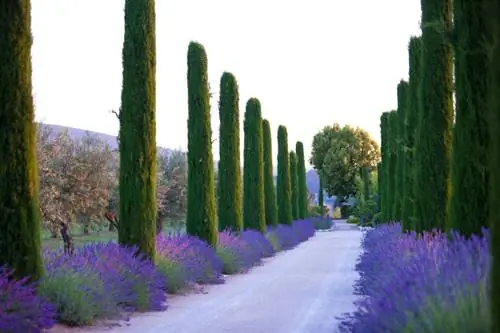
294, 186
253, 169
271, 211
301, 179
284, 191
384, 177
492, 35
19, 209
469, 169
411, 123
229, 186
437, 119
138, 129
392, 145
200, 217
400, 151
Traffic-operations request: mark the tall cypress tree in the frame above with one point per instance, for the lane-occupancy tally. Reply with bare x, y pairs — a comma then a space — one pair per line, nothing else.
271, 211
392, 145
294, 185
437, 116
253, 169
283, 185
402, 91
229, 185
321, 191
201, 218
411, 123
492, 36
19, 209
138, 129
469, 169
366, 182
384, 183
301, 179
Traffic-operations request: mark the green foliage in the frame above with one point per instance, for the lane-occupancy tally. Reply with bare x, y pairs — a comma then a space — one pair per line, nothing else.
301, 180
200, 219
321, 192
253, 169
392, 162
385, 175
229, 182
19, 207
436, 118
283, 185
173, 273
339, 153
411, 123
353, 220
230, 264
271, 210
294, 185
73, 293
317, 211
138, 129
400, 149
469, 168
492, 14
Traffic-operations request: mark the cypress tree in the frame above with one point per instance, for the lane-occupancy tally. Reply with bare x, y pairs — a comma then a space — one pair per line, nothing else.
294, 185
492, 36
411, 123
384, 174
283, 185
19, 208
366, 182
200, 218
229, 185
392, 145
253, 169
436, 117
301, 179
271, 211
400, 151
468, 207
321, 193
138, 129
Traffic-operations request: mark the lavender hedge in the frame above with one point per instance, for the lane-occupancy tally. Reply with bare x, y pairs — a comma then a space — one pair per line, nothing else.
106, 280
433, 283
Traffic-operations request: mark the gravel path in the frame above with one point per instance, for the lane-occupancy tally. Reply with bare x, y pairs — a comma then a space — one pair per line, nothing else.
298, 291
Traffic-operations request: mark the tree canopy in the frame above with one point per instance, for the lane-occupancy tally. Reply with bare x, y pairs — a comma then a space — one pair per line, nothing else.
339, 154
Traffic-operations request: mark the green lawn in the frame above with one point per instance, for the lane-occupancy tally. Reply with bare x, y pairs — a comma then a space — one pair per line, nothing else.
94, 236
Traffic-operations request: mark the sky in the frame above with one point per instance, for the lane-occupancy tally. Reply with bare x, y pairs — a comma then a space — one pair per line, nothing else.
311, 63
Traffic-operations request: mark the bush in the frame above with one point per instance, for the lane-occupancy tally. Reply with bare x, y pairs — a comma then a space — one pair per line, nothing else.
235, 253
353, 220
284, 237
21, 310
303, 229
425, 284
198, 259
321, 223
100, 280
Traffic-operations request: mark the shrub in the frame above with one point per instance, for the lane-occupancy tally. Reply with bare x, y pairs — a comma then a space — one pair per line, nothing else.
430, 283
173, 273
237, 255
21, 310
283, 236
100, 281
303, 229
321, 223
259, 244
198, 259
353, 220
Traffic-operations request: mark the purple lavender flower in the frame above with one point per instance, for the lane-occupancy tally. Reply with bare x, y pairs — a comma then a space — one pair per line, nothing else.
21, 310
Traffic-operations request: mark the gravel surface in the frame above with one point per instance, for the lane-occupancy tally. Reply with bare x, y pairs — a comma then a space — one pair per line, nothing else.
298, 291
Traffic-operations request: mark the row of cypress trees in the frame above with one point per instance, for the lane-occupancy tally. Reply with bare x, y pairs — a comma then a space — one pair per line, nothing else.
435, 160
19, 208
259, 205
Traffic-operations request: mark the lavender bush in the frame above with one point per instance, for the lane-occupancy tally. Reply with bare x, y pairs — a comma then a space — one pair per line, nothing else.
303, 229
235, 253
198, 261
432, 283
101, 280
21, 309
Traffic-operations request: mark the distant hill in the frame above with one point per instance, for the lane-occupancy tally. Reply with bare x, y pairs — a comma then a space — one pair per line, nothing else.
77, 133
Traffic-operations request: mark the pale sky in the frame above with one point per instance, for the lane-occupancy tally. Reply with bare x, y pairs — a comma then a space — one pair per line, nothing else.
311, 63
